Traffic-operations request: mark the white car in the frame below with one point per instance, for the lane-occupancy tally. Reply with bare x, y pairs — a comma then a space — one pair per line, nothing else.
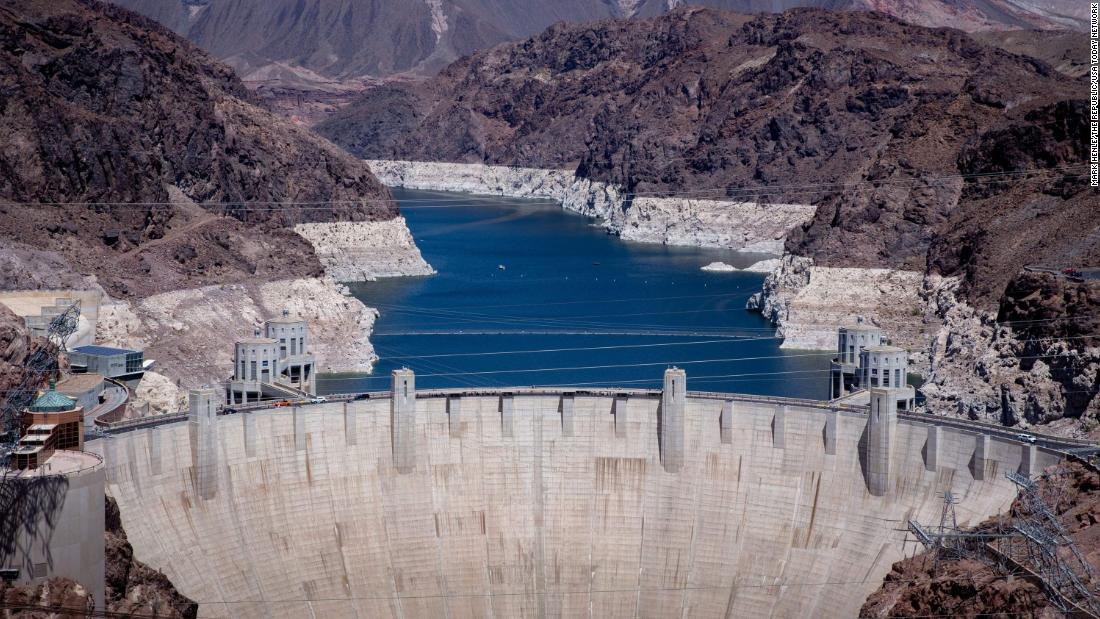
317, 399
1025, 438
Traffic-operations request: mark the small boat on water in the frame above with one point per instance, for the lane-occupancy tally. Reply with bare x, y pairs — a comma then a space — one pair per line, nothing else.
500, 266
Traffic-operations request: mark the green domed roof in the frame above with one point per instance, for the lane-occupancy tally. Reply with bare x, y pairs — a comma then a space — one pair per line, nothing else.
52, 402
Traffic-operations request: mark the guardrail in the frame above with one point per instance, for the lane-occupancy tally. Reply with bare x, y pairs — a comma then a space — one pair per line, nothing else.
610, 392
99, 420
44, 471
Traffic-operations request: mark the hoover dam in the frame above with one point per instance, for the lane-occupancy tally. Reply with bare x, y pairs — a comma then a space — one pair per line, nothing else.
547, 502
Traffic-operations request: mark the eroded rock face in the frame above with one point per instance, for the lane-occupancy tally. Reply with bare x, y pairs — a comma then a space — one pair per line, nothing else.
16, 346
1036, 362
807, 303
106, 106
576, 194
358, 251
55, 593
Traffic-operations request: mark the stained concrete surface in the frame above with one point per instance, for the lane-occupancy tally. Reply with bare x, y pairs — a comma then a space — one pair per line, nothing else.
571, 515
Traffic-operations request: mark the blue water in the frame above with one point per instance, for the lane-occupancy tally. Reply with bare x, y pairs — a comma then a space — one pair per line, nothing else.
572, 306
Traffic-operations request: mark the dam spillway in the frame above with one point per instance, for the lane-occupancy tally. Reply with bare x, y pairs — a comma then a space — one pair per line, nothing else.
542, 504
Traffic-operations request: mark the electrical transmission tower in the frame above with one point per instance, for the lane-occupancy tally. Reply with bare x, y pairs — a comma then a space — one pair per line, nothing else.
947, 541
1045, 548
1034, 543
37, 368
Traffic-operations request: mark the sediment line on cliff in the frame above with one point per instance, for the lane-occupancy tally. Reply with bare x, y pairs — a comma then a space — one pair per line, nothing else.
741, 226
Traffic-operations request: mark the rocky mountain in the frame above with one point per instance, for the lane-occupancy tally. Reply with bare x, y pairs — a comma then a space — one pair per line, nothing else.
925, 150
316, 41
1065, 50
134, 157
876, 121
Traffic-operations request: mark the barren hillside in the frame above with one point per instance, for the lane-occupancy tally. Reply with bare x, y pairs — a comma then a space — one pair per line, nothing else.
315, 42
101, 106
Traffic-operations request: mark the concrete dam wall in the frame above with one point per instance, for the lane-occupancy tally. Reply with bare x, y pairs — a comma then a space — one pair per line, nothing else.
544, 505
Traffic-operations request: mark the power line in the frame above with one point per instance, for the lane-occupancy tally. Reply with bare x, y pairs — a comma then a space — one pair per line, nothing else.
601, 382
648, 364
466, 201
579, 348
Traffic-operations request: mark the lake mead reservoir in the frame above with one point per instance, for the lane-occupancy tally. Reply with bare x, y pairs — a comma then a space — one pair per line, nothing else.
529, 294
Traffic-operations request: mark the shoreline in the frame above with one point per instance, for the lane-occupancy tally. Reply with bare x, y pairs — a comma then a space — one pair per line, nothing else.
739, 226
189, 333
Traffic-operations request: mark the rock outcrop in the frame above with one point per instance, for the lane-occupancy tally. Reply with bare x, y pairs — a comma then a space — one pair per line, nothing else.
190, 333
16, 345
744, 226
355, 251
807, 303
1035, 362
719, 267
49, 599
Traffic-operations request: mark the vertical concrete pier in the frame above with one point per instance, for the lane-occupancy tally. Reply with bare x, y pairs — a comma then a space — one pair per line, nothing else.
567, 414
507, 414
830, 432
725, 423
299, 428
932, 448
618, 410
1028, 460
981, 456
454, 417
349, 425
882, 421
248, 421
779, 422
673, 398
403, 420
202, 425
153, 441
